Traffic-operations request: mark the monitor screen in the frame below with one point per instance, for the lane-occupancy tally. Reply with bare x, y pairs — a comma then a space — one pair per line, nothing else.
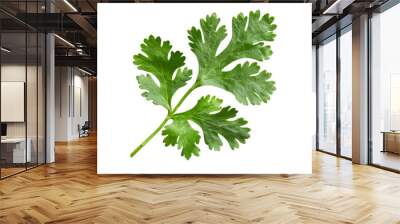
3, 129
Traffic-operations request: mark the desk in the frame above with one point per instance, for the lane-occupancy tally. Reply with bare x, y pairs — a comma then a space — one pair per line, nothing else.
391, 141
15, 148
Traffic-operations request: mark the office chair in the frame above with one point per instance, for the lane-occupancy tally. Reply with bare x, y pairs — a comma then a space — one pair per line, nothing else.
84, 130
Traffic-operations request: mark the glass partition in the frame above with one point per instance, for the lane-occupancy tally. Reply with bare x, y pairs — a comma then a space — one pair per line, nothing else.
32, 97
14, 155
385, 89
22, 100
327, 96
41, 107
346, 93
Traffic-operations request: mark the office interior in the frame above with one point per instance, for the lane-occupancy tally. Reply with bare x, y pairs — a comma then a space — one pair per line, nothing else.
48, 90
33, 50
335, 74
33, 63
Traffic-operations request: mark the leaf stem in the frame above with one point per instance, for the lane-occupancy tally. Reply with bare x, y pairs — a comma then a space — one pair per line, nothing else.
133, 153
195, 85
170, 115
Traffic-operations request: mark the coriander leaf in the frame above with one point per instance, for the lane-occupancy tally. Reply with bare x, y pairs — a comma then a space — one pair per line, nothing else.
248, 37
162, 63
152, 90
246, 82
205, 44
180, 133
216, 121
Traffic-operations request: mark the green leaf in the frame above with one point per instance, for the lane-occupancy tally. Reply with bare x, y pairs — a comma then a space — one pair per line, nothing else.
158, 60
204, 43
180, 133
152, 90
249, 34
246, 82
248, 37
215, 122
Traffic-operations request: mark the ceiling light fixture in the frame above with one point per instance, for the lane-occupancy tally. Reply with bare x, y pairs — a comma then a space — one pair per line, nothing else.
70, 5
64, 40
84, 71
5, 50
80, 51
337, 7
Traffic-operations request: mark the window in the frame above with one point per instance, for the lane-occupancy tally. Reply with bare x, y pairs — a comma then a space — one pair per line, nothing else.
346, 92
385, 89
22, 77
327, 96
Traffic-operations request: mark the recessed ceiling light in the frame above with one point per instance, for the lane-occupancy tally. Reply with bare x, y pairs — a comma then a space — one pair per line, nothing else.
64, 40
70, 5
5, 50
84, 71
338, 6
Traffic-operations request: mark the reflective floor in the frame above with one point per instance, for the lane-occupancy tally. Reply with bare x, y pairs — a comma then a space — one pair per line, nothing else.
70, 191
387, 159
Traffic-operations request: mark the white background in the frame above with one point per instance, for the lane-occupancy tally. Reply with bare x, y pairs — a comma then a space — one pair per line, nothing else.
281, 130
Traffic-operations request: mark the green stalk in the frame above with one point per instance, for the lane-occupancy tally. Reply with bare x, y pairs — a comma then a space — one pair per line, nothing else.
133, 153
195, 85
170, 115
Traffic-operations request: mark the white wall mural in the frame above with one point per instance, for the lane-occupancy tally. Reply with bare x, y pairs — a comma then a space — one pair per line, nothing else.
204, 88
